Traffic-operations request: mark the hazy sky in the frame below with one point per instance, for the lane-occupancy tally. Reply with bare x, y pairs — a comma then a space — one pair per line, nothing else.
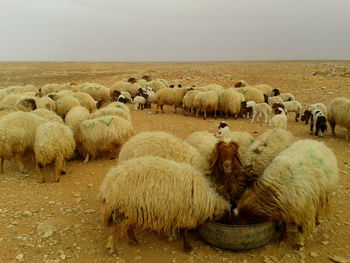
173, 30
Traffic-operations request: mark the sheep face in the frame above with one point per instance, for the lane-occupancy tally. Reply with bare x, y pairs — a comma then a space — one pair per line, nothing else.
147, 78
132, 80
276, 92
99, 103
226, 157
306, 116
29, 103
266, 98
275, 107
222, 125
115, 95
239, 84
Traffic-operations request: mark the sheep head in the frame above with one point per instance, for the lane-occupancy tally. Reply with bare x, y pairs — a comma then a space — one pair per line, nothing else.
132, 80
147, 78
29, 103
276, 92
240, 84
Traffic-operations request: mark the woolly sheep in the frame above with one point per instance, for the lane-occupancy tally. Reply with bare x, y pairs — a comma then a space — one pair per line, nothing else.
121, 86
274, 99
133, 89
262, 110
293, 106
22, 89
169, 96
46, 103
264, 88
187, 102
103, 134
25, 104
73, 119
17, 135
139, 102
97, 91
57, 95
339, 113
48, 115
130, 198
54, 143
156, 85
252, 94
119, 112
279, 121
207, 101
204, 142
215, 87
287, 97
118, 105
10, 100
294, 189
163, 145
86, 100
266, 147
64, 104
49, 88
143, 83
230, 102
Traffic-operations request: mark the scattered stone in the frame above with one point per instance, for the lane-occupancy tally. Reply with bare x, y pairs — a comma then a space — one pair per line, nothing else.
90, 211
270, 259
19, 257
27, 213
78, 200
46, 230
120, 260
90, 185
314, 254
76, 194
338, 259
51, 202
137, 258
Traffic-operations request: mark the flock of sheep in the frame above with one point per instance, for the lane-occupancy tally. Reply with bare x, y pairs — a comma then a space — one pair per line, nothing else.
165, 184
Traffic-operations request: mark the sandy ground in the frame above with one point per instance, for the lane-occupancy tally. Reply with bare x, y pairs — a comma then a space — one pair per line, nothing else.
70, 210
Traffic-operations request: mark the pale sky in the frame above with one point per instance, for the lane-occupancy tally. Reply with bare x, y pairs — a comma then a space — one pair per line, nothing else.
173, 30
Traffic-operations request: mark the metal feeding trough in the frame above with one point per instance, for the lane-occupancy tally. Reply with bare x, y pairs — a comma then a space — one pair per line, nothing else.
237, 237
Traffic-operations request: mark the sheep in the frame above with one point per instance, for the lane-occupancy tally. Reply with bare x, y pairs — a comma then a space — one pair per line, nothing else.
230, 102
143, 83
156, 85
287, 97
264, 88
339, 113
10, 100
119, 112
168, 96
247, 108
274, 99
294, 189
54, 143
5, 110
279, 121
276, 92
318, 119
187, 102
207, 101
86, 100
262, 110
130, 198
215, 87
49, 88
48, 115
163, 145
252, 94
17, 136
266, 147
293, 106
64, 104
139, 102
118, 105
97, 91
133, 89
46, 103
57, 95
132, 80
25, 104
147, 78
120, 86
22, 89
103, 134
204, 142
307, 113
73, 119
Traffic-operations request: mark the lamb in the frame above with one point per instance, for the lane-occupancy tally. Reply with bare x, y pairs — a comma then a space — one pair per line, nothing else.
261, 110
279, 121
318, 119
97, 91
187, 103
339, 113
48, 115
206, 102
130, 198
163, 145
168, 96
204, 142
64, 104
230, 102
293, 106
313, 107
264, 88
294, 189
265, 148
252, 94
247, 108
287, 97
103, 134
17, 136
139, 102
54, 143
274, 99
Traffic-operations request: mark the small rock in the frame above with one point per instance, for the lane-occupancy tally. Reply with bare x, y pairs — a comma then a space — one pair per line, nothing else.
19, 257
90, 185
45, 229
90, 211
27, 213
325, 242
314, 254
76, 194
338, 259
78, 200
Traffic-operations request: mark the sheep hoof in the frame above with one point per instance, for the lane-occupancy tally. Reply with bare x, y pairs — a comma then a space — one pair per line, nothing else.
63, 172
188, 248
299, 246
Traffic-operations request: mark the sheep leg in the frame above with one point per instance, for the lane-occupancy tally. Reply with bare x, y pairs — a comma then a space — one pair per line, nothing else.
300, 238
215, 114
1, 165
226, 115
63, 170
186, 243
348, 134
311, 125
332, 124
161, 107
254, 116
58, 169
283, 232
205, 114
297, 114
87, 157
157, 106
110, 246
41, 176
175, 109
197, 110
131, 235
20, 164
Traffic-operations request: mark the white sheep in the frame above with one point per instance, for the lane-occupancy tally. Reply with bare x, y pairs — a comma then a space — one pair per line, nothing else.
73, 119
17, 136
103, 134
120, 86
279, 121
266, 147
207, 101
163, 145
169, 96
313, 107
264, 88
139, 102
86, 100
49, 88
287, 97
339, 113
274, 99
97, 91
262, 110
48, 115
230, 102
204, 142
156, 85
294, 189
252, 94
293, 106
64, 104
54, 143
46, 102
157, 194
187, 102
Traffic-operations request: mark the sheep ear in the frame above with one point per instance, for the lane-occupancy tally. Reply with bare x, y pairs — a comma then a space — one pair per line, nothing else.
215, 155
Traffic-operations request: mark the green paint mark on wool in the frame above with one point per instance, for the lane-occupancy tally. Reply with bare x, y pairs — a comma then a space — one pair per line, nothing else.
119, 107
107, 123
89, 126
243, 91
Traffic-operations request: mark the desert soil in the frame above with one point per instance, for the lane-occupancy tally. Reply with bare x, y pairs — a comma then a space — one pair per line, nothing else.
60, 222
